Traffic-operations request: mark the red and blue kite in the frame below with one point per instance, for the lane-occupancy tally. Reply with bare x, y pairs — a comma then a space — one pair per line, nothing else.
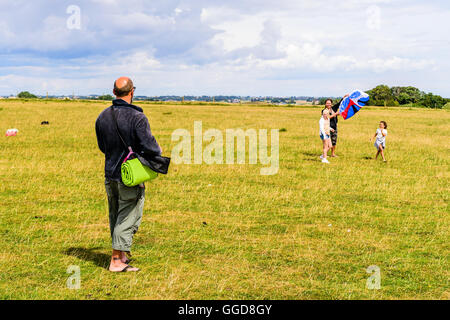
353, 103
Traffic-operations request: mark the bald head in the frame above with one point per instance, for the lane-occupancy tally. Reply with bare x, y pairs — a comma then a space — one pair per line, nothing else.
123, 87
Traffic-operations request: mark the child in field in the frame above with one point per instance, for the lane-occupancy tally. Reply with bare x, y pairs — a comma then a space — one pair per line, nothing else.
380, 139
325, 129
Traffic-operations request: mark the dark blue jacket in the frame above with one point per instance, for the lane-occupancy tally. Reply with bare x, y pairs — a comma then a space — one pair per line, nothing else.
134, 128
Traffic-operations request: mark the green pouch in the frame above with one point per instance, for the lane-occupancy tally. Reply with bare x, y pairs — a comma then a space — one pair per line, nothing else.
134, 173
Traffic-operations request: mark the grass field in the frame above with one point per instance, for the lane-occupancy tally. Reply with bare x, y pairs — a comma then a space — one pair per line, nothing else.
226, 232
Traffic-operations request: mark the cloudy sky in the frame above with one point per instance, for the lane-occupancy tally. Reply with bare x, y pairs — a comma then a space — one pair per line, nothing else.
212, 47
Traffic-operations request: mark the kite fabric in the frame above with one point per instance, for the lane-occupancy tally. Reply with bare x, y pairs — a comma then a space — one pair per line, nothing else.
134, 173
353, 103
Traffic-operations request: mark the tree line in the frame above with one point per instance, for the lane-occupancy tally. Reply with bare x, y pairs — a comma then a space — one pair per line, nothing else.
383, 95
28, 95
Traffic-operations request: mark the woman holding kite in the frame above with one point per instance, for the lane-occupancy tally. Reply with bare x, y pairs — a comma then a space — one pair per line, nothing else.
333, 115
333, 111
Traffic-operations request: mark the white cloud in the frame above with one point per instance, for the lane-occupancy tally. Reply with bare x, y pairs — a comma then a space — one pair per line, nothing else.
240, 33
396, 63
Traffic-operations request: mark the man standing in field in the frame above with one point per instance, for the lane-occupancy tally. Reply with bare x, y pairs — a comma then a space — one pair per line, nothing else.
333, 116
126, 204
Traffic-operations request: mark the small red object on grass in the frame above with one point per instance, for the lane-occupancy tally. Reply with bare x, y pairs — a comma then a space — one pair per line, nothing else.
11, 132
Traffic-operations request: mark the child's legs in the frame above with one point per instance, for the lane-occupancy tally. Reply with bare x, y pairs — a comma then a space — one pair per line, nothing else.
378, 146
381, 150
325, 149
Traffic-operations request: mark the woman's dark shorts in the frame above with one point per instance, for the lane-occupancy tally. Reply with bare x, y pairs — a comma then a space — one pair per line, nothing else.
333, 136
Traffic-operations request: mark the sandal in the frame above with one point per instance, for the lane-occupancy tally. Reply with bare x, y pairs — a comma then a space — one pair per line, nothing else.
128, 267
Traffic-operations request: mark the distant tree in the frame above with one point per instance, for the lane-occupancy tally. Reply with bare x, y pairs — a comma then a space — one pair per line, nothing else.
381, 96
407, 95
447, 106
26, 95
322, 101
106, 97
432, 101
